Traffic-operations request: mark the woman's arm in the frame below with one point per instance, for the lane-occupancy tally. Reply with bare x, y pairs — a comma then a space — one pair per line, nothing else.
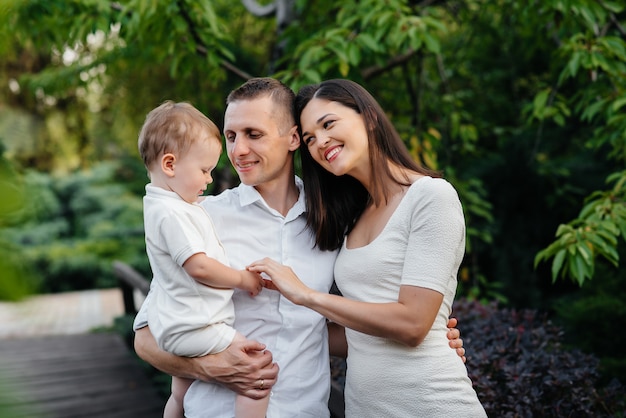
240, 367
407, 321
338, 345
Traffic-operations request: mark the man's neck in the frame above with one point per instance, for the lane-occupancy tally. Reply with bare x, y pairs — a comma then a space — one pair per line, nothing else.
280, 194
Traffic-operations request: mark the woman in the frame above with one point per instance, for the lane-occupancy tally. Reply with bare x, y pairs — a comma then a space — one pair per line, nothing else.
401, 234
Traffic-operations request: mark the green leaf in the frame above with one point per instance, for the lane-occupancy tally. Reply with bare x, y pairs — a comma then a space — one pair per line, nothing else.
432, 43
366, 40
592, 110
585, 252
557, 264
617, 104
312, 75
574, 64
539, 103
344, 68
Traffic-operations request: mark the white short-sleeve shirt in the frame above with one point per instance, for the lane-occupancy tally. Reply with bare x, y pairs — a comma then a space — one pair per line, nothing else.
186, 318
297, 336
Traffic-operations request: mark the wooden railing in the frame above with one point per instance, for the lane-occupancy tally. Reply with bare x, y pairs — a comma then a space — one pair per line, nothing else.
130, 280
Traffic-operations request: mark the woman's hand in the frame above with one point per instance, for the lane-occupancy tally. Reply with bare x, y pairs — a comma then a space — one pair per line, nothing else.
283, 279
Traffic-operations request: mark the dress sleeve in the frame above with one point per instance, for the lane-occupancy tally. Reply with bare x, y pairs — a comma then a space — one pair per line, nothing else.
436, 240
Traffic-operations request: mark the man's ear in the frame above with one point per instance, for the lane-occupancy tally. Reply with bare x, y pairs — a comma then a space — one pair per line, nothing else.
294, 141
167, 164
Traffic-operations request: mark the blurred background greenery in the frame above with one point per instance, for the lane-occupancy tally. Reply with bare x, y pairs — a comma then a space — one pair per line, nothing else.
521, 104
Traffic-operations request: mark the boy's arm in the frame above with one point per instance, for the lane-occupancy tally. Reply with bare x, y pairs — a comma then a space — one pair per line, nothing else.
234, 367
211, 272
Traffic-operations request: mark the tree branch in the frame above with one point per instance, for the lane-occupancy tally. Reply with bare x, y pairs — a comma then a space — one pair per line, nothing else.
393, 62
201, 48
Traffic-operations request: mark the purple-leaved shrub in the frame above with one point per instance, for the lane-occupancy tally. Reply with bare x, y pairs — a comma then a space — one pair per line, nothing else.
520, 369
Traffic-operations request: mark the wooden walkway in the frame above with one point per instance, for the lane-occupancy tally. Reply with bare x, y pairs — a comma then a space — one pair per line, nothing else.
70, 374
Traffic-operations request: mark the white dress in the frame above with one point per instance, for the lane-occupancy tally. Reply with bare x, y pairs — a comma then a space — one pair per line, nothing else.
421, 245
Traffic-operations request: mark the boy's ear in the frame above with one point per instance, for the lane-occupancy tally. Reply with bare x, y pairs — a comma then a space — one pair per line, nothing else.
167, 164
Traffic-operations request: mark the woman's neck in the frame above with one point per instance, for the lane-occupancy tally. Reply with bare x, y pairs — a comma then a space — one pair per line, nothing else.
390, 185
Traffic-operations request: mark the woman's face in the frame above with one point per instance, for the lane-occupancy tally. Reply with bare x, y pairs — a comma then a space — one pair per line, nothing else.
336, 137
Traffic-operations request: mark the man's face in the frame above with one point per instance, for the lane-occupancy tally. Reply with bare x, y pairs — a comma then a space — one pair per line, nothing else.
257, 145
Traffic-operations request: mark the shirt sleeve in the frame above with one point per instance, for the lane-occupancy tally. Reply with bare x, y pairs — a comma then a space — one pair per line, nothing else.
181, 238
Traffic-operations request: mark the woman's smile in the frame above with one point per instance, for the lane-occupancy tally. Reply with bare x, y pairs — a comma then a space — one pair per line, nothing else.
332, 153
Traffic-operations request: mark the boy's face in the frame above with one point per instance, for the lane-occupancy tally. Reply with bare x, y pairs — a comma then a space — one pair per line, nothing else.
258, 146
192, 170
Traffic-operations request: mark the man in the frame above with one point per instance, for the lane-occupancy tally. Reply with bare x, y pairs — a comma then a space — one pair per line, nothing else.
263, 217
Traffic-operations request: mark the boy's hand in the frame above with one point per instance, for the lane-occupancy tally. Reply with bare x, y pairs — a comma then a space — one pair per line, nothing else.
251, 282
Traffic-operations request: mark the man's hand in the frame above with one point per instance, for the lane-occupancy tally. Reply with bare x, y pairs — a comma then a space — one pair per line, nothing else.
245, 367
454, 335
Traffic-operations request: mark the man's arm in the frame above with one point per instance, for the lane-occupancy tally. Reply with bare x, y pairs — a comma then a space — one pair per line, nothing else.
454, 335
241, 367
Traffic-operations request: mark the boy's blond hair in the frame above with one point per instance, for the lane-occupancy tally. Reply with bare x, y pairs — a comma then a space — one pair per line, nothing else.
173, 127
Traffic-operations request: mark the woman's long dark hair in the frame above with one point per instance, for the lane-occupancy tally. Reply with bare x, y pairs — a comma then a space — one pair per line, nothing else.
334, 203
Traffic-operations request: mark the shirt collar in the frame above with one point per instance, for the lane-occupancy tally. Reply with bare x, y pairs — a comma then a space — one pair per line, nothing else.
249, 195
162, 193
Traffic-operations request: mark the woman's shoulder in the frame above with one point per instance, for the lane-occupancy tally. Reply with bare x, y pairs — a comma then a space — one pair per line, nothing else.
433, 186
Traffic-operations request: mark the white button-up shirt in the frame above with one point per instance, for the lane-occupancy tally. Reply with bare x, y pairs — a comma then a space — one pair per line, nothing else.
296, 336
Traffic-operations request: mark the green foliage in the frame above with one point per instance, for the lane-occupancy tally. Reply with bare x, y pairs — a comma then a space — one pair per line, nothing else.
364, 33
591, 52
520, 104
598, 307
595, 233
16, 278
89, 71
76, 225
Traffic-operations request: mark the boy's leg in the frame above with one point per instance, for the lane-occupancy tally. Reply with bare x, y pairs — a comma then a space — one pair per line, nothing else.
251, 408
247, 407
174, 405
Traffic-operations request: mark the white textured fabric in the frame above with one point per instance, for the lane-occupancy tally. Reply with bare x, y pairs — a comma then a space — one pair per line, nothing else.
186, 318
296, 336
421, 245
